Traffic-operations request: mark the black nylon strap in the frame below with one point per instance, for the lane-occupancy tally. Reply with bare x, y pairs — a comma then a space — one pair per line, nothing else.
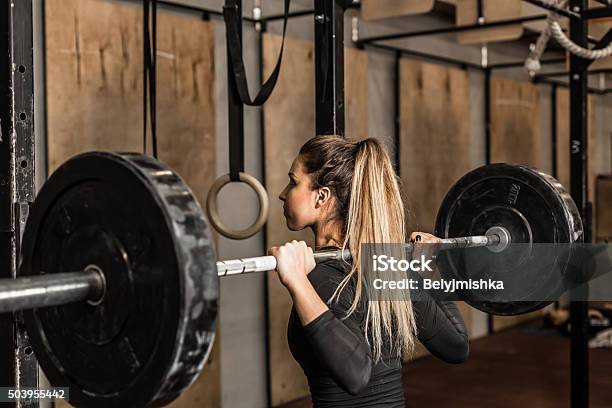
153, 79
150, 72
234, 43
235, 112
145, 71
325, 51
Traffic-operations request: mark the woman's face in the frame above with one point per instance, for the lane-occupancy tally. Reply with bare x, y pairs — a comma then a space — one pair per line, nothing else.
301, 204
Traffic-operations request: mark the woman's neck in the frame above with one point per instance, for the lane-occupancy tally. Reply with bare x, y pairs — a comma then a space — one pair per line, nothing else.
328, 234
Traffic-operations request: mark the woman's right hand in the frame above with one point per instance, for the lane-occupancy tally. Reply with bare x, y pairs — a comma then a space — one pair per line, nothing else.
294, 261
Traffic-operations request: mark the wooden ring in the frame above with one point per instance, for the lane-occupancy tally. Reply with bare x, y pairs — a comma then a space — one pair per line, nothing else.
213, 212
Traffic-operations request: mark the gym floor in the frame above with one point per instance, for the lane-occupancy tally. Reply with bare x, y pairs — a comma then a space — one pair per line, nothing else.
525, 366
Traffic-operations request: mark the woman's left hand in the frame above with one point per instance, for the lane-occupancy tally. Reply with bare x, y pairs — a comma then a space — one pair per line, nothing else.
294, 261
424, 238
429, 250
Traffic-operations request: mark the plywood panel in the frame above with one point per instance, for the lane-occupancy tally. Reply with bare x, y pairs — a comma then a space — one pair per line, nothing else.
515, 122
434, 128
493, 10
289, 123
598, 28
94, 101
515, 138
379, 9
356, 93
434, 136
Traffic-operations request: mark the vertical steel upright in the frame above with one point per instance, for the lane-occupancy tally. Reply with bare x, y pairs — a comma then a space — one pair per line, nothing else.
7, 249
329, 66
578, 78
17, 190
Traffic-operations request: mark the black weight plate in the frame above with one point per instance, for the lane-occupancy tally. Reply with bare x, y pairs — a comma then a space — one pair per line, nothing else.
534, 208
136, 220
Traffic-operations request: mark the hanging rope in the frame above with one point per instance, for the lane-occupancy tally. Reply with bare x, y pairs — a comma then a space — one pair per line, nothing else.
554, 29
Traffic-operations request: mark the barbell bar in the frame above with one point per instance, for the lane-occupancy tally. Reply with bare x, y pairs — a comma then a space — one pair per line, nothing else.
89, 285
496, 239
148, 277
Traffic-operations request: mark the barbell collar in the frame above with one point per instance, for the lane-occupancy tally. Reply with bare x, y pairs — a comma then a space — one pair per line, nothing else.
50, 290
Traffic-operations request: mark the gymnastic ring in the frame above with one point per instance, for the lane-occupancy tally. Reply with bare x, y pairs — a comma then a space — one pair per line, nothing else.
213, 213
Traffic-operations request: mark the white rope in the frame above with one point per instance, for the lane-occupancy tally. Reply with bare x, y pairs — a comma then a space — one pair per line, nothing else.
574, 48
532, 63
553, 28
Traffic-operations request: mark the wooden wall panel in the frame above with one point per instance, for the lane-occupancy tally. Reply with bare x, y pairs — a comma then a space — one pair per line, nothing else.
515, 122
515, 138
380, 9
289, 122
493, 10
434, 142
94, 101
434, 138
598, 28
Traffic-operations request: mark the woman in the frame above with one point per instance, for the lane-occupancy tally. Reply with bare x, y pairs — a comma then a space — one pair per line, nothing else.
350, 348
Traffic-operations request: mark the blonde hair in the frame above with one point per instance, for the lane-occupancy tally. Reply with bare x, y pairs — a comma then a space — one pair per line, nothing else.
369, 202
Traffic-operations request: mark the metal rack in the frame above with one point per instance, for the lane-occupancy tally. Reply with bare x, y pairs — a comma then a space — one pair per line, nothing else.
16, 176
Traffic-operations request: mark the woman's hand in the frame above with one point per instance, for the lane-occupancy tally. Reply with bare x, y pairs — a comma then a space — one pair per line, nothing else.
429, 250
424, 237
294, 261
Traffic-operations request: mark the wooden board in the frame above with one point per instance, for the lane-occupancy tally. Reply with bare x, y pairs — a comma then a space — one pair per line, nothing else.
94, 101
434, 123
515, 138
598, 28
380, 9
603, 208
493, 10
434, 126
289, 122
515, 122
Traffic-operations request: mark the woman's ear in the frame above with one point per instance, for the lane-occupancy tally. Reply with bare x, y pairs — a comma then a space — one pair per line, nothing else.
324, 196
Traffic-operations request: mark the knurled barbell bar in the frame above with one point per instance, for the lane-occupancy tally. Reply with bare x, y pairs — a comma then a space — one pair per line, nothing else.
89, 284
148, 278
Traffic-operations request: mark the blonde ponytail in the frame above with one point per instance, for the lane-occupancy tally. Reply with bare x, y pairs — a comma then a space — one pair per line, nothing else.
373, 213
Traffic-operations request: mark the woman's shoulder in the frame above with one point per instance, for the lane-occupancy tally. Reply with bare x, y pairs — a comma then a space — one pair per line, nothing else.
327, 275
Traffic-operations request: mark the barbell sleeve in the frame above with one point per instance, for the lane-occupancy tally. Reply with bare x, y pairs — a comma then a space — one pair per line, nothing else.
32, 292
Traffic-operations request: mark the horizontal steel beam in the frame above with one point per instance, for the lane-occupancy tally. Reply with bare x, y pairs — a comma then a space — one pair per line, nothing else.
546, 5
450, 29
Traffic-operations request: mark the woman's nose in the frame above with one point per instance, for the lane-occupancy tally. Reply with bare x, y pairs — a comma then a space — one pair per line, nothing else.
282, 196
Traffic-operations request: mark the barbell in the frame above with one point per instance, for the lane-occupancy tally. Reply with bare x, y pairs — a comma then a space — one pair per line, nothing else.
134, 322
